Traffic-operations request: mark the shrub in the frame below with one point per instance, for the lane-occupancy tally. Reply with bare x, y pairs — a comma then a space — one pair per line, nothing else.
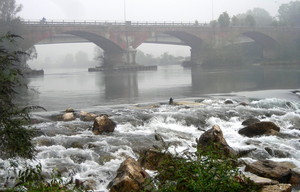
201, 171
15, 137
31, 179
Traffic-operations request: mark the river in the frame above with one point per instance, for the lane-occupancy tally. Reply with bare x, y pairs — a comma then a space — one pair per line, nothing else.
59, 89
127, 97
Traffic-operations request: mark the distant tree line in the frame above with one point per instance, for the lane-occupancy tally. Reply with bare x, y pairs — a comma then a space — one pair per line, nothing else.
163, 59
288, 15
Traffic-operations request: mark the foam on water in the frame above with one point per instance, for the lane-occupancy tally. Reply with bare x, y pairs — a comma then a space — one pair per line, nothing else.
71, 147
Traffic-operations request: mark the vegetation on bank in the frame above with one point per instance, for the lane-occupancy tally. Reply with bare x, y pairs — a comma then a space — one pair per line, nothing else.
200, 172
15, 137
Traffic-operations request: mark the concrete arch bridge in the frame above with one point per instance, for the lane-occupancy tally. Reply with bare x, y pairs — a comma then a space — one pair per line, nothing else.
120, 40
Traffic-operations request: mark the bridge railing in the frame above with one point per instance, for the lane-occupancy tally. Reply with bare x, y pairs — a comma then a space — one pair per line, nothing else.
108, 23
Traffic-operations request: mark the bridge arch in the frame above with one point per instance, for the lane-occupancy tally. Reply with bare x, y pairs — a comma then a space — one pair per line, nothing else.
195, 43
104, 43
271, 48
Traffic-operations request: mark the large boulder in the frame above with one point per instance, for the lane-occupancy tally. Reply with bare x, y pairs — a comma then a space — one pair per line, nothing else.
260, 128
277, 188
103, 124
85, 116
213, 138
151, 159
262, 180
68, 116
250, 121
70, 110
270, 169
130, 177
295, 179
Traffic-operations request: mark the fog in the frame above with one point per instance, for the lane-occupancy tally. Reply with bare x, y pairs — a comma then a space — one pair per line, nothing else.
137, 10
134, 10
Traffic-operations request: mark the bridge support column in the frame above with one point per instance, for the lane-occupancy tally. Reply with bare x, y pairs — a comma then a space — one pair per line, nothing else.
198, 55
274, 53
123, 58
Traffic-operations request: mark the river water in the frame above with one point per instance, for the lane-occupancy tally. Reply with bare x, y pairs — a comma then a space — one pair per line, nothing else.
128, 98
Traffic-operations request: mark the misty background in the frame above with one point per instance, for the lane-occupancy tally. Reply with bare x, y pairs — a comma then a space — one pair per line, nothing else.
82, 55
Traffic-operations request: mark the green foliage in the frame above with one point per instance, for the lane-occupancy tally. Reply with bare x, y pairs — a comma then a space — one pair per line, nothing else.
31, 179
201, 171
289, 14
229, 55
9, 10
260, 16
15, 138
224, 20
250, 21
253, 17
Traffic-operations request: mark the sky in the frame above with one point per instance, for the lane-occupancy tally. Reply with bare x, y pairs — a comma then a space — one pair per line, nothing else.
141, 10
134, 10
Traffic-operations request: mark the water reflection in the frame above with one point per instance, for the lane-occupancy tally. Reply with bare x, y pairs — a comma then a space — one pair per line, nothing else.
59, 89
120, 84
208, 81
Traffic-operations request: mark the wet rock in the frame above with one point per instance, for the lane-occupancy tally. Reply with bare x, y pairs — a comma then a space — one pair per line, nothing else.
277, 153
56, 117
130, 177
103, 124
85, 116
277, 188
105, 157
214, 138
242, 153
250, 121
70, 110
295, 179
262, 180
270, 169
243, 104
44, 141
77, 144
199, 100
151, 159
68, 117
227, 102
88, 184
261, 128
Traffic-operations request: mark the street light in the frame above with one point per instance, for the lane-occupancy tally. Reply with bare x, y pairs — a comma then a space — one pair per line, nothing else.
125, 10
212, 10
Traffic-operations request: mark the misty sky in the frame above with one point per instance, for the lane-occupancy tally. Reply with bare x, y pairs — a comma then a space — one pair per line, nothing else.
141, 10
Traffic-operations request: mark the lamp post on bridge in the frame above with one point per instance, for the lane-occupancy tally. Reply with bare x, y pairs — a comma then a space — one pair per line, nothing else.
125, 11
212, 10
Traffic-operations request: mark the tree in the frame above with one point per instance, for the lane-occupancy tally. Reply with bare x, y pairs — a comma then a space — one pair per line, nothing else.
15, 137
9, 10
250, 21
235, 21
261, 16
289, 14
224, 20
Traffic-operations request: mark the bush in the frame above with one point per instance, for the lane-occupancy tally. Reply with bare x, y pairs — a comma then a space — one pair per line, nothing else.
201, 171
31, 179
15, 137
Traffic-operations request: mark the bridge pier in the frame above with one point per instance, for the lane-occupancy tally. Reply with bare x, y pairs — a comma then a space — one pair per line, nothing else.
198, 55
126, 57
273, 53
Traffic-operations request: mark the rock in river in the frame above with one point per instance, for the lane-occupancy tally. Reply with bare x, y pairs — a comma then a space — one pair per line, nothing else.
103, 124
130, 177
260, 128
214, 138
68, 116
